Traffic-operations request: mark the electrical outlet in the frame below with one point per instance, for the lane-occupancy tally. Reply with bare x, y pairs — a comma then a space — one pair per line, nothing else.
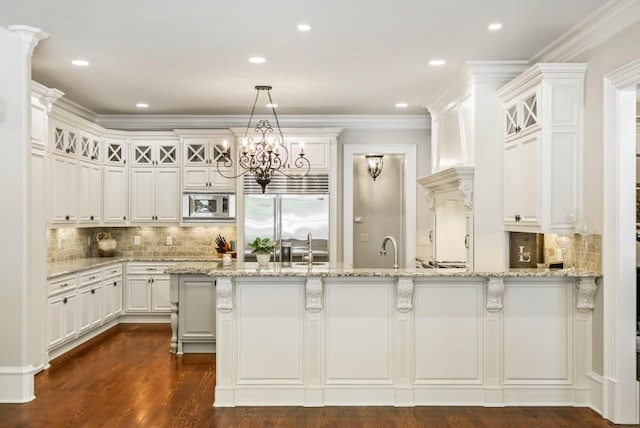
59, 243
364, 237
136, 240
169, 240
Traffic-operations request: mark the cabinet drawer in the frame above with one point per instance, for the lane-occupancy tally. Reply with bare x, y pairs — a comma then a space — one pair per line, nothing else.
148, 268
63, 284
111, 271
90, 277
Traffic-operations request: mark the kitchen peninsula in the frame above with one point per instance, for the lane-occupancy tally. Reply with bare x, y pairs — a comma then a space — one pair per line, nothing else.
318, 335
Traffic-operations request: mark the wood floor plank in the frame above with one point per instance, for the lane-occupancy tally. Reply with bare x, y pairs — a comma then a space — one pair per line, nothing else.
127, 378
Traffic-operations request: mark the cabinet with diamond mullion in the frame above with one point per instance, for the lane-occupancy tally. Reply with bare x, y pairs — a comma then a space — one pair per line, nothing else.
522, 115
89, 148
155, 153
65, 141
202, 159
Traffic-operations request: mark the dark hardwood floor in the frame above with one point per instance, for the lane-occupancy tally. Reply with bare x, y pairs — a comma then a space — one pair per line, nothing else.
127, 378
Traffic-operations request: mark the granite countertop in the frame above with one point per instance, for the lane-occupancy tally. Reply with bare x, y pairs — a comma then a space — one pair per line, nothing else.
239, 269
77, 265
213, 267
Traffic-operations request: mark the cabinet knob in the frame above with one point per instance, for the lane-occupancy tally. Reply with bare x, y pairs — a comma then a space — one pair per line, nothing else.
431, 236
64, 300
115, 283
466, 241
518, 129
124, 218
91, 218
152, 280
93, 291
124, 161
67, 150
64, 285
66, 217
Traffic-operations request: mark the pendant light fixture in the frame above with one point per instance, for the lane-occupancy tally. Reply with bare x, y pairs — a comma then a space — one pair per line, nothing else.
374, 164
263, 153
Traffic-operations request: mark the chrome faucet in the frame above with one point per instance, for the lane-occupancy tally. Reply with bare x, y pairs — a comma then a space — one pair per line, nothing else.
383, 250
309, 256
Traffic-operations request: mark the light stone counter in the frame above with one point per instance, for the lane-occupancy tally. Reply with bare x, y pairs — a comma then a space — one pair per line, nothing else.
239, 269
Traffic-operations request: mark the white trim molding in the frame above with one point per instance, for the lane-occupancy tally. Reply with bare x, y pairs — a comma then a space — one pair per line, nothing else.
169, 122
610, 19
620, 388
16, 384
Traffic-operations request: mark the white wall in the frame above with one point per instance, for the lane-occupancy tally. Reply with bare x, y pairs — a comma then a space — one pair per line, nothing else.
613, 53
388, 137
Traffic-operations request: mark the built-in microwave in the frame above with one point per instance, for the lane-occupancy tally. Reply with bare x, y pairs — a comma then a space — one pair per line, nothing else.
208, 207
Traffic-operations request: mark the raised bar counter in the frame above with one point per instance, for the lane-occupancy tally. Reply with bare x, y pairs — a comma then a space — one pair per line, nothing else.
324, 335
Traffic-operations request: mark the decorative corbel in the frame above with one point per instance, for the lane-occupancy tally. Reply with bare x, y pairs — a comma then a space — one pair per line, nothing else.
313, 291
49, 97
466, 190
587, 289
430, 197
404, 294
30, 36
495, 293
224, 294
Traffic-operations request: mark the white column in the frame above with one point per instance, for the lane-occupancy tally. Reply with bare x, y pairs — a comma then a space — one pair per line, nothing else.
224, 343
586, 289
404, 343
493, 391
313, 352
16, 371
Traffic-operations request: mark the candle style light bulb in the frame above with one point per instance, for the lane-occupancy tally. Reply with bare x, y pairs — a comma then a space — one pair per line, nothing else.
225, 145
301, 151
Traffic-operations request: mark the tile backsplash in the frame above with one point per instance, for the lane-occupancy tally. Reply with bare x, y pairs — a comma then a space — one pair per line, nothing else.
66, 244
584, 253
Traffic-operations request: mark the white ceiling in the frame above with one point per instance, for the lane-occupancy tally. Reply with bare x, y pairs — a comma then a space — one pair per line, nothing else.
361, 56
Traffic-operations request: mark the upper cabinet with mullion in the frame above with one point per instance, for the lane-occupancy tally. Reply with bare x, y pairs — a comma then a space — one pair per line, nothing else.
543, 139
155, 153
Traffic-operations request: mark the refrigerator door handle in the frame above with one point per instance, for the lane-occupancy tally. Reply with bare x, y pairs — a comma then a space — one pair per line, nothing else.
277, 216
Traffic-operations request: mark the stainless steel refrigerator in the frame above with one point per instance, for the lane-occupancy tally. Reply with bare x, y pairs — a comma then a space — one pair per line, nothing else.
288, 217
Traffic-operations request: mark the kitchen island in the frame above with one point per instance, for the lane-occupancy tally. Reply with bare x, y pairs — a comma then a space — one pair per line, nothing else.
317, 335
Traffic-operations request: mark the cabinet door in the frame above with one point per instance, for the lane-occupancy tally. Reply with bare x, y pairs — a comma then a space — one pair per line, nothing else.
219, 181
530, 190
96, 306
138, 295
63, 191
143, 153
90, 195
167, 194
56, 320
512, 181
142, 194
316, 152
160, 294
196, 178
197, 309
195, 151
69, 326
115, 151
85, 310
530, 111
107, 299
115, 194
117, 297
167, 154
511, 119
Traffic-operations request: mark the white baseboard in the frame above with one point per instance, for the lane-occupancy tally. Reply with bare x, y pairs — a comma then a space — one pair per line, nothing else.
16, 384
144, 319
198, 348
595, 386
66, 347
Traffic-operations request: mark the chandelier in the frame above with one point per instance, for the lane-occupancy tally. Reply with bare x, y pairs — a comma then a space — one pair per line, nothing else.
374, 165
264, 154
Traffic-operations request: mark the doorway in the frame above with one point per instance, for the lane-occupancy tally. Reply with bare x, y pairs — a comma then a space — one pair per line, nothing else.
378, 212
407, 156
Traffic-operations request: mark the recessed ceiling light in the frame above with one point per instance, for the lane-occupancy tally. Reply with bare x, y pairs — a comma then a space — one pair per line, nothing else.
257, 60
495, 26
80, 62
142, 105
437, 62
402, 105
272, 105
304, 27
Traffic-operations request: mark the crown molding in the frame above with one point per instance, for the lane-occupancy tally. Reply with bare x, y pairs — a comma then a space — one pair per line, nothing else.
30, 36
534, 74
495, 73
74, 108
46, 96
170, 122
610, 19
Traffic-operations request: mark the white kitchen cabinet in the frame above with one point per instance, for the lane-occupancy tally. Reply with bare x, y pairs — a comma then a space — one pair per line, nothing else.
112, 292
62, 318
63, 192
115, 151
197, 311
155, 153
543, 147
115, 195
89, 148
64, 141
90, 309
155, 195
147, 288
317, 152
202, 159
90, 193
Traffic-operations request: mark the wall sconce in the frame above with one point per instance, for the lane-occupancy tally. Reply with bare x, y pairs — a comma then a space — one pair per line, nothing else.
374, 164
